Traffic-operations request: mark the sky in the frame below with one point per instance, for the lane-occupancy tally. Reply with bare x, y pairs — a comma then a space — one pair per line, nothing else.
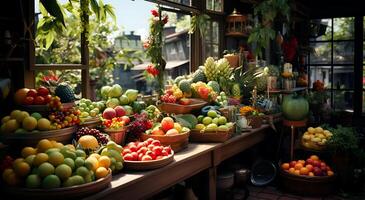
131, 15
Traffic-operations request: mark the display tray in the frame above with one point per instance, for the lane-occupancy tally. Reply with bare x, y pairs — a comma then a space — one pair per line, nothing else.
211, 136
147, 165
73, 192
31, 139
175, 108
307, 185
176, 142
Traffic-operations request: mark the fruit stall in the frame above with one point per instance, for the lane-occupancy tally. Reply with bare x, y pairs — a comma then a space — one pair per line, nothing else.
247, 103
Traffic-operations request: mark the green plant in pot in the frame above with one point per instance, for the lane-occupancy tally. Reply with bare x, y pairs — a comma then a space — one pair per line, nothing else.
268, 11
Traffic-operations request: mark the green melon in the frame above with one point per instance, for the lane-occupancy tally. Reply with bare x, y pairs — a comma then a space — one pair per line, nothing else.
184, 86
178, 79
199, 76
214, 85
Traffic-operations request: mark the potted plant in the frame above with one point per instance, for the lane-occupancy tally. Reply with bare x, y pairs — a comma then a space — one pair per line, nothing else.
232, 58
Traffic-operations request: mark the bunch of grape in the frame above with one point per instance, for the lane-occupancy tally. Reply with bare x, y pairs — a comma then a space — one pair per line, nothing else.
140, 124
64, 118
55, 104
102, 138
167, 98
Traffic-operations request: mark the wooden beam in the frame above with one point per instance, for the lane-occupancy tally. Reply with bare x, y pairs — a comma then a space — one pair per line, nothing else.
58, 66
85, 75
183, 7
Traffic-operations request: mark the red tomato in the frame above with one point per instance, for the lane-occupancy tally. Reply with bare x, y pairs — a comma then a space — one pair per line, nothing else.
48, 98
28, 100
142, 150
146, 157
32, 93
150, 153
150, 147
133, 148
39, 100
156, 143
131, 143
43, 91
140, 156
135, 155
164, 153
140, 145
157, 150
128, 156
167, 149
149, 141
145, 143
125, 151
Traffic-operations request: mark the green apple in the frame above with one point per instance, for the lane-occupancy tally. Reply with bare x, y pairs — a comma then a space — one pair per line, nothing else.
115, 91
212, 127
215, 120
223, 128
212, 113
207, 120
200, 127
131, 94
124, 100
111, 103
222, 120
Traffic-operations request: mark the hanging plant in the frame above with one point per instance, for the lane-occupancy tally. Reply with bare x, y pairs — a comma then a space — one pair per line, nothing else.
154, 46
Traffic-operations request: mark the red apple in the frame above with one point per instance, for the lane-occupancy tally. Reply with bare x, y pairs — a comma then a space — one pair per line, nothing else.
167, 123
317, 171
28, 100
39, 100
126, 119
323, 164
42, 91
292, 163
32, 93
309, 161
157, 132
47, 98
316, 163
120, 111
109, 113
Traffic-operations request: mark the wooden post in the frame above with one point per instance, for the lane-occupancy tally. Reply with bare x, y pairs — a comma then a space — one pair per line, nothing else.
212, 183
85, 76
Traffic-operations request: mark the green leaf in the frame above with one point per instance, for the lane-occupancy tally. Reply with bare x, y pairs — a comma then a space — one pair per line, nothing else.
95, 8
110, 10
54, 9
49, 39
187, 120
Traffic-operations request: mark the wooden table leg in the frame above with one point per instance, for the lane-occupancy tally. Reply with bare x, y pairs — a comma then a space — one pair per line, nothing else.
212, 183
292, 143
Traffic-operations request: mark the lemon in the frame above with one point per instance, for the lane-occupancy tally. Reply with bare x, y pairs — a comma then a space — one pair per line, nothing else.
63, 171
40, 158
27, 151
101, 172
104, 161
55, 158
44, 145
92, 163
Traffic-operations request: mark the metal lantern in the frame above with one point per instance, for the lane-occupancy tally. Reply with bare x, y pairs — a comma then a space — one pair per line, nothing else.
236, 24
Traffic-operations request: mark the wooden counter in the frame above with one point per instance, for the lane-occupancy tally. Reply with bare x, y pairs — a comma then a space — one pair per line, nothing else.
196, 158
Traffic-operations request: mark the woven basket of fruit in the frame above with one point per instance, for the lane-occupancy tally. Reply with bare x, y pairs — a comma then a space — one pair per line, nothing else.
183, 108
315, 138
211, 135
43, 109
307, 177
91, 123
177, 142
150, 155
117, 135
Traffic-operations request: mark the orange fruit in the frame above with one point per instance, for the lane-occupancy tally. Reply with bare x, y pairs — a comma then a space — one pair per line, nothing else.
101, 172
310, 174
44, 145
297, 172
314, 157
291, 170
18, 160
285, 166
309, 167
20, 95
21, 169
298, 166
27, 151
330, 173
301, 161
104, 161
304, 171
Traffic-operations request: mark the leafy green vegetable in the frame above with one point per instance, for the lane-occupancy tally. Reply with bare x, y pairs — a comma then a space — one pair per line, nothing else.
187, 120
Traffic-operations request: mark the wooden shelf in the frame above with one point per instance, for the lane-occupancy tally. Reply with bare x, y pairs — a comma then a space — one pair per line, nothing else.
189, 162
297, 89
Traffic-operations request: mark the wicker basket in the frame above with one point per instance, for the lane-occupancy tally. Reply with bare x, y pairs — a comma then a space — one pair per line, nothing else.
176, 142
254, 121
232, 59
307, 185
91, 123
196, 104
118, 136
211, 136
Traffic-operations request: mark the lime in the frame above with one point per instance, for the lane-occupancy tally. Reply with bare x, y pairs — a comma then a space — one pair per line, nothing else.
215, 121
207, 120
80, 153
79, 162
33, 181
55, 158
63, 171
200, 118
49, 151
36, 115
222, 120
212, 113
82, 171
29, 159
69, 162
45, 169
51, 181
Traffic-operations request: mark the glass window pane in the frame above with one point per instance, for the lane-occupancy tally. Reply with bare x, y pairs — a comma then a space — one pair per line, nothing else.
184, 2
214, 5
343, 77
320, 29
211, 40
343, 52
322, 73
343, 100
343, 28
321, 53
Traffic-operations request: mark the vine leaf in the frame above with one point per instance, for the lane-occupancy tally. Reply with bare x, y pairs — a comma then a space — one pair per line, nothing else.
54, 9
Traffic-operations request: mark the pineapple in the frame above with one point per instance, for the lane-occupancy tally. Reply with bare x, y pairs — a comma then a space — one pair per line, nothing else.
210, 69
236, 91
224, 69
